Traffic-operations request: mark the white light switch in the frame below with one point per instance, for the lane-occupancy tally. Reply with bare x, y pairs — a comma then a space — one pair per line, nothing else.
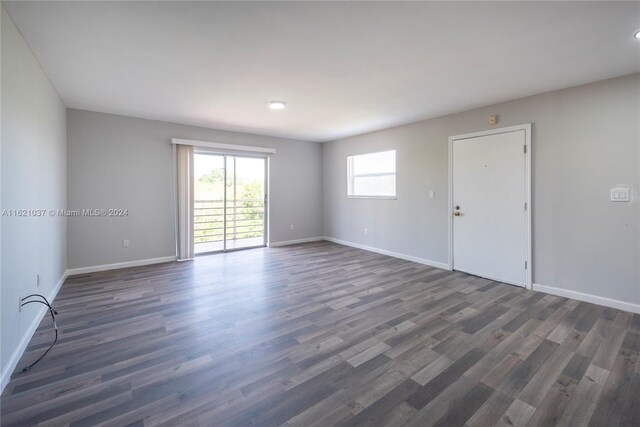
619, 194
432, 194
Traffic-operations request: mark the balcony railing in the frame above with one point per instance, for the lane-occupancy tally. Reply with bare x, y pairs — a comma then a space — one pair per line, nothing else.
244, 220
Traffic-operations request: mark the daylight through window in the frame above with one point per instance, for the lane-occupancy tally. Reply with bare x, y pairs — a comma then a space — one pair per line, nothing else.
372, 175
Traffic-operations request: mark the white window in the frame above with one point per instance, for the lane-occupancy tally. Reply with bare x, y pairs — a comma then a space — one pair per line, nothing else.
372, 175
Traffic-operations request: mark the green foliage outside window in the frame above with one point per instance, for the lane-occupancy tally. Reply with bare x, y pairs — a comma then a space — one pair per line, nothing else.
245, 214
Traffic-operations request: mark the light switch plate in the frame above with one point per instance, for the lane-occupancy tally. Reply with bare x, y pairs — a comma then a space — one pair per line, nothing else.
619, 194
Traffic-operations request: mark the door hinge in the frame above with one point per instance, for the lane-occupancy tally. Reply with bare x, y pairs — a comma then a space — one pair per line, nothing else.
525, 206
525, 149
525, 265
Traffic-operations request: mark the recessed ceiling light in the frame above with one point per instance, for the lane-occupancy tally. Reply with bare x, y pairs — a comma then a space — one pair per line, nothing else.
277, 105
637, 34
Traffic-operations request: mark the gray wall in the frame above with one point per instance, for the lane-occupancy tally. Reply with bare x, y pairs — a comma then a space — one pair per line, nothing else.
123, 162
585, 140
33, 177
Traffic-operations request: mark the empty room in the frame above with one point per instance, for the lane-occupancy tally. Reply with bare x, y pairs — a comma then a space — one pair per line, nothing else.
320, 213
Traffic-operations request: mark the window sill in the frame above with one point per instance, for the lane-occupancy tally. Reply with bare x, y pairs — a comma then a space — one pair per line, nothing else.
373, 197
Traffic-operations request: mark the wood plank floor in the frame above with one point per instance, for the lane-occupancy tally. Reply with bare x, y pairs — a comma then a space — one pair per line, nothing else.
321, 335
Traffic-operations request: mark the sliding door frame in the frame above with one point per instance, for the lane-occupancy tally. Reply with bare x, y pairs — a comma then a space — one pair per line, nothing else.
265, 194
208, 147
224, 204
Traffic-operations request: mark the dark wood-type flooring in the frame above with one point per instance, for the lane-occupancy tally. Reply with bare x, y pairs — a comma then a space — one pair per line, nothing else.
321, 335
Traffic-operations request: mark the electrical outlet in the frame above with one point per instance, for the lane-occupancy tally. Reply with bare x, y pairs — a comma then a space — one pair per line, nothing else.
366, 231
125, 243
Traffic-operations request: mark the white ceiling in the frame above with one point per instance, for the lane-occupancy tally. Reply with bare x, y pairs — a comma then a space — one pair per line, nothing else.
343, 68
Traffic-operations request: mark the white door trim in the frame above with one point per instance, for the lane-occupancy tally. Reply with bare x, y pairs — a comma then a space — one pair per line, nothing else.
527, 131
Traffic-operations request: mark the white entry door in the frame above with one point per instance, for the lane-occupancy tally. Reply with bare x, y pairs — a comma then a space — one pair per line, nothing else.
489, 211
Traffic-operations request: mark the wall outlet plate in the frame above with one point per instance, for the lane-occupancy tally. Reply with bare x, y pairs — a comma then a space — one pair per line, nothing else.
620, 194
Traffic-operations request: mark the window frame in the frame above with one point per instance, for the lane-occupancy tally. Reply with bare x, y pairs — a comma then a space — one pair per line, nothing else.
351, 176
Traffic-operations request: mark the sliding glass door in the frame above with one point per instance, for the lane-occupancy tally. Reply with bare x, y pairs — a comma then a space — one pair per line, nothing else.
229, 202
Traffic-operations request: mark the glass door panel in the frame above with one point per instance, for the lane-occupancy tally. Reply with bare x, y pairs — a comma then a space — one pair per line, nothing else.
229, 202
208, 209
245, 206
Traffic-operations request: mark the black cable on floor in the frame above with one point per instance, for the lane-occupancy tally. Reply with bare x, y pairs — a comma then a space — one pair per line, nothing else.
53, 317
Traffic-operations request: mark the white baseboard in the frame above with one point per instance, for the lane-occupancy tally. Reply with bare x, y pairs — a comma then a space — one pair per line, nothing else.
424, 261
581, 296
118, 265
24, 342
294, 242
5, 376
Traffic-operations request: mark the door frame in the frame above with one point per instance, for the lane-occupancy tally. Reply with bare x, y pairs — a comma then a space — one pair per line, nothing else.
265, 226
528, 235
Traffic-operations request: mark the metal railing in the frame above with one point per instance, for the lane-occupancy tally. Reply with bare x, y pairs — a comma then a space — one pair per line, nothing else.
244, 219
